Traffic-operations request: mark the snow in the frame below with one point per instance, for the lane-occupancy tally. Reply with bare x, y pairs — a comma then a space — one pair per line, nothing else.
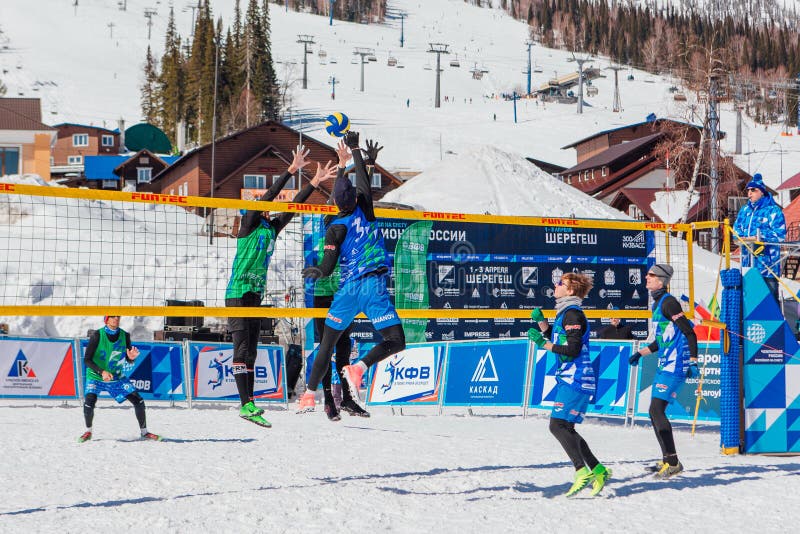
450, 473
481, 179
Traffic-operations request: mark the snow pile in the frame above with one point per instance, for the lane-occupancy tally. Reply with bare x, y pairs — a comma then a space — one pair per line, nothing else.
669, 206
487, 180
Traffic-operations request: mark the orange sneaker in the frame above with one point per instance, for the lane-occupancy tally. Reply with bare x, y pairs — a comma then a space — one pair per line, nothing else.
306, 402
354, 374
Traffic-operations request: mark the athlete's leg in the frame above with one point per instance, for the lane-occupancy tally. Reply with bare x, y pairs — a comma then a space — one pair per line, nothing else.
394, 340
663, 430
321, 364
343, 359
241, 340
138, 409
253, 331
564, 432
88, 409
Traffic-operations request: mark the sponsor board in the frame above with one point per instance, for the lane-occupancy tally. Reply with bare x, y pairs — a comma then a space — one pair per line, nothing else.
411, 376
610, 364
157, 373
212, 372
34, 367
486, 373
682, 409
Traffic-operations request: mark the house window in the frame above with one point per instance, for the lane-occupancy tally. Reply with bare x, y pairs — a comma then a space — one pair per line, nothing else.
352, 177
80, 140
592, 174
108, 140
74, 160
183, 189
289, 185
604, 171
585, 176
377, 179
9, 161
255, 181
110, 184
144, 174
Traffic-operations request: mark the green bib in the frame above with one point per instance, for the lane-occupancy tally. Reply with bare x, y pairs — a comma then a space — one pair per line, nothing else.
109, 356
250, 265
326, 287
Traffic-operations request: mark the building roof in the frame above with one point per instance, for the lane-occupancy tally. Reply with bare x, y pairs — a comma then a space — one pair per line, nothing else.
635, 125
644, 197
165, 160
115, 132
613, 153
22, 114
791, 183
104, 167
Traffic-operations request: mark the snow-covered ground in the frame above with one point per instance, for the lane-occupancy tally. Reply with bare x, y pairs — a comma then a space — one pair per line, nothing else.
86, 75
449, 474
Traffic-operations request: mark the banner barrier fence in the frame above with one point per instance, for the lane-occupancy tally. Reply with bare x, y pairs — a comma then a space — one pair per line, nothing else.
710, 359
505, 372
37, 368
211, 373
158, 372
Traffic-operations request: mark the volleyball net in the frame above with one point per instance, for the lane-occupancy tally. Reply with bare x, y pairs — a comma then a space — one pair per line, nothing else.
66, 251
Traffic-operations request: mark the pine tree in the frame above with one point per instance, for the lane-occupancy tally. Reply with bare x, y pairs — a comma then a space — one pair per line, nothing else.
150, 104
172, 82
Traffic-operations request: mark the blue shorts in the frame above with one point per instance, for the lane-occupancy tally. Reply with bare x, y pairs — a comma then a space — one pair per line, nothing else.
118, 389
367, 294
666, 386
570, 404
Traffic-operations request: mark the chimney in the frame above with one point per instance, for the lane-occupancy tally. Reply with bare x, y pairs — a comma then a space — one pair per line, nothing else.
122, 136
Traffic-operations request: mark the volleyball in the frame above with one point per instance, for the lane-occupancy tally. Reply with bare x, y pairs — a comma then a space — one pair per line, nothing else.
337, 124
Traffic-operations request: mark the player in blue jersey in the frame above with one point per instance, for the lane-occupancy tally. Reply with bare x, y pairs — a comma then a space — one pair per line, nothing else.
354, 240
676, 345
568, 340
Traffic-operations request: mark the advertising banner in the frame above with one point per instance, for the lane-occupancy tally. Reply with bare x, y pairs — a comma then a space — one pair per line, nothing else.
412, 376
31, 367
211, 367
771, 373
710, 356
158, 371
451, 265
610, 364
486, 373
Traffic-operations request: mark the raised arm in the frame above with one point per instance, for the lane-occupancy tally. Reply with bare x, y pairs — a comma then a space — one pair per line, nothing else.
362, 178
323, 174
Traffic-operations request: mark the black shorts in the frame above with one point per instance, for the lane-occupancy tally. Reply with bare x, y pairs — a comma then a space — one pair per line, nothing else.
248, 300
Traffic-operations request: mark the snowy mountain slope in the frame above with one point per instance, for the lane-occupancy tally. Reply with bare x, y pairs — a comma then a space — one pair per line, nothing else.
98, 80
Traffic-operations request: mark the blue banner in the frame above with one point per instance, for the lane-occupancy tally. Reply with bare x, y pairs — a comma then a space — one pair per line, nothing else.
709, 360
611, 368
158, 371
211, 367
411, 377
486, 373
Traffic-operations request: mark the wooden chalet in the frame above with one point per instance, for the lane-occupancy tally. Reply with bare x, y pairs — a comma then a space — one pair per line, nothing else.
248, 161
24, 140
76, 142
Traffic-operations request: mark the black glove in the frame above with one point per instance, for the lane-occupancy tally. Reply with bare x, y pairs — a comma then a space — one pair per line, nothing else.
311, 272
634, 359
351, 139
693, 371
372, 151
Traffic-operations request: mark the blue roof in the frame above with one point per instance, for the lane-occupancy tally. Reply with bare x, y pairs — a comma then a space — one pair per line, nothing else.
102, 167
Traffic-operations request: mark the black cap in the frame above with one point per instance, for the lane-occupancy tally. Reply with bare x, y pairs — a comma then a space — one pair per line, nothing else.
344, 194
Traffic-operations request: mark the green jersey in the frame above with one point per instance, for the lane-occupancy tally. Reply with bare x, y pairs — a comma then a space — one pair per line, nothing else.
326, 287
250, 265
109, 355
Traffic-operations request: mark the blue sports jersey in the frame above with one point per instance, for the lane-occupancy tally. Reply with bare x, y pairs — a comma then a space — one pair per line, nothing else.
577, 373
673, 347
363, 250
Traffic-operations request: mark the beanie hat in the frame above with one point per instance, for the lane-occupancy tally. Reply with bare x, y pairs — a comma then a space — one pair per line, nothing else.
662, 271
344, 194
758, 183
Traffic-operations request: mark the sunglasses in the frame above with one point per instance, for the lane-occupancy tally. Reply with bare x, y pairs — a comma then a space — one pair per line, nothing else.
651, 274
749, 189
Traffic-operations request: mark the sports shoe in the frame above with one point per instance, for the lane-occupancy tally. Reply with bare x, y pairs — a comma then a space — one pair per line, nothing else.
655, 468
599, 476
306, 402
258, 410
582, 478
249, 412
350, 406
332, 412
152, 437
667, 471
86, 436
354, 375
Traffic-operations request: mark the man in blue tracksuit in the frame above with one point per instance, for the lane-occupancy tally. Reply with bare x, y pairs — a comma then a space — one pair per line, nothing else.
355, 241
676, 345
568, 340
759, 221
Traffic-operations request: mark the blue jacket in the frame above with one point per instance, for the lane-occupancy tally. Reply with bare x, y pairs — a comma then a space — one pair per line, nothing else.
765, 220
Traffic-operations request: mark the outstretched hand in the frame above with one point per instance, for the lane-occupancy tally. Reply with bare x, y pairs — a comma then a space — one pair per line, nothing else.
299, 159
343, 152
372, 151
323, 173
133, 353
351, 139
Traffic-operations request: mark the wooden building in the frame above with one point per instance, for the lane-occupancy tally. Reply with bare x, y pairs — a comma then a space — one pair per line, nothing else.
24, 140
77, 141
